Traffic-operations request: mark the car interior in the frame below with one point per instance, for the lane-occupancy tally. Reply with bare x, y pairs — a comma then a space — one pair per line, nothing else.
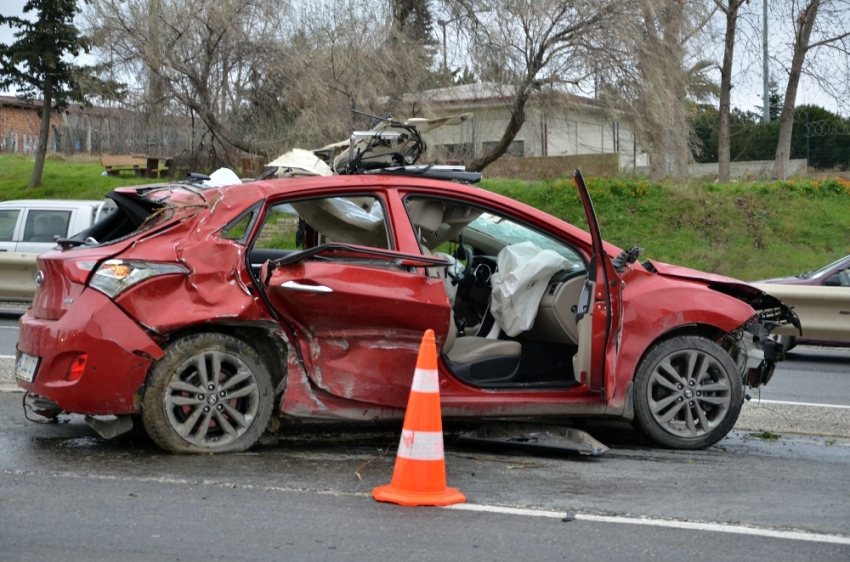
476, 350
45, 226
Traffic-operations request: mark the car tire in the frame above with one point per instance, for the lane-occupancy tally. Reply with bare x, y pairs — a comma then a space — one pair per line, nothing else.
687, 393
190, 408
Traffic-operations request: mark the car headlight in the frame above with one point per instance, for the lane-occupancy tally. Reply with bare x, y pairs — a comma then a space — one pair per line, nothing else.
115, 276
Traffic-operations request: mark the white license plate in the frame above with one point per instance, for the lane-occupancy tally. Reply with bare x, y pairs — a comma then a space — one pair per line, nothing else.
26, 366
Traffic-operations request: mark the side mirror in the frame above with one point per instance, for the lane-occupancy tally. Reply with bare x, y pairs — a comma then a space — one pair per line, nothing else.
832, 281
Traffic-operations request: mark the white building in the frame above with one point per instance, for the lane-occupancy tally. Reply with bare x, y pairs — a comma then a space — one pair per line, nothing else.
567, 126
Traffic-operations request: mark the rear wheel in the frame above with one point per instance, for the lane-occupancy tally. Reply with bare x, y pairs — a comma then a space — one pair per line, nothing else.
211, 393
688, 393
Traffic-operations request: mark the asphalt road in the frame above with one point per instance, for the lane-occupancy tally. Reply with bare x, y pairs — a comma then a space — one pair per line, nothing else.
66, 494
8, 335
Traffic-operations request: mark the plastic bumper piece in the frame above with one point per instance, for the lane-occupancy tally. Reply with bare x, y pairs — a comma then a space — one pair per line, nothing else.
119, 354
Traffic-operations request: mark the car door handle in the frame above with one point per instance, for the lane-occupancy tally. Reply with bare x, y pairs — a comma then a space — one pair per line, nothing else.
296, 286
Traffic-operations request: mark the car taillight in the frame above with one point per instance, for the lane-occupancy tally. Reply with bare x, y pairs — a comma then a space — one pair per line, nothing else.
78, 271
115, 276
75, 370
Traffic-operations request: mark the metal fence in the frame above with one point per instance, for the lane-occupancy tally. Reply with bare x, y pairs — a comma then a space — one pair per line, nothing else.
824, 143
121, 132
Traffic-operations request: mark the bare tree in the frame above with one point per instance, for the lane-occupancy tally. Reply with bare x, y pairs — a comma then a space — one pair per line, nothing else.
730, 9
263, 76
348, 55
528, 47
817, 24
191, 52
655, 70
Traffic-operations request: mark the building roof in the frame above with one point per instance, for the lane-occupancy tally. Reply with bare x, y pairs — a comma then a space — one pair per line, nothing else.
15, 101
490, 92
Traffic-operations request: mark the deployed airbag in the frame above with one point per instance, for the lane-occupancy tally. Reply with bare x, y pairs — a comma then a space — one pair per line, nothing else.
523, 273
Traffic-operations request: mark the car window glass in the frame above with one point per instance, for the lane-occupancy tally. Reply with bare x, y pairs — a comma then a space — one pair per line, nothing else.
8, 218
509, 232
439, 224
237, 230
824, 270
303, 224
44, 225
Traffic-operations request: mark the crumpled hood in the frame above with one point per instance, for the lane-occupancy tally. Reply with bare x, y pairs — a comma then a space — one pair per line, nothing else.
695, 275
755, 297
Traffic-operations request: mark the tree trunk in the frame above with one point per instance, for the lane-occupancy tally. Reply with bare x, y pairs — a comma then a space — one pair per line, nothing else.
723, 143
43, 133
657, 166
786, 118
514, 125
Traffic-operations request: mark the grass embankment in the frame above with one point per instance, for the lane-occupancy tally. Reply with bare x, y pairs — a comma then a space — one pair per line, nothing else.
749, 230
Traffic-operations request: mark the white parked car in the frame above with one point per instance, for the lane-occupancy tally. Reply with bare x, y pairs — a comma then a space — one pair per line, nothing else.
29, 227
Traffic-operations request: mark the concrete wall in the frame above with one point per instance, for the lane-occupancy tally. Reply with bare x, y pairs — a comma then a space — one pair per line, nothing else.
552, 167
755, 169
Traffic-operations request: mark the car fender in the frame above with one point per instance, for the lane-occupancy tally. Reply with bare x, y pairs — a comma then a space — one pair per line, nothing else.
656, 306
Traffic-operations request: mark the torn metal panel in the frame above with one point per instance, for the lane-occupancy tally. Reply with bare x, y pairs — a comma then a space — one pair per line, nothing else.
302, 399
110, 429
216, 287
542, 437
359, 331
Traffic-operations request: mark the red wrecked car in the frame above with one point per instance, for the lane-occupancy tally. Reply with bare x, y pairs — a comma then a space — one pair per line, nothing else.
205, 312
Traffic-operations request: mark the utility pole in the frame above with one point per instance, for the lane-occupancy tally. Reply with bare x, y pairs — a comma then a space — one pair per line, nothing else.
766, 100
443, 24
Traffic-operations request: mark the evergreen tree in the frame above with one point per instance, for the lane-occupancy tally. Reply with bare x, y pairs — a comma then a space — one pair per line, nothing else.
414, 18
38, 62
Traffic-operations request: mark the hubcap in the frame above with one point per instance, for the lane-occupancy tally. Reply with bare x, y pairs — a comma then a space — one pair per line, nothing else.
212, 399
689, 393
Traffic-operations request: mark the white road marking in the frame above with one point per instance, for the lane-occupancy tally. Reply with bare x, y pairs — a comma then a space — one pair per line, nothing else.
669, 523
7, 356
761, 401
8, 327
647, 521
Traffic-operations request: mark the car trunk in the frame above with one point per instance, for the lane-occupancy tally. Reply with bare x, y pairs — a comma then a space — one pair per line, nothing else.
64, 273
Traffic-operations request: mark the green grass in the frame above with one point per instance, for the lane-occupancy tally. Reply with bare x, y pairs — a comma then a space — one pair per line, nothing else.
748, 230
63, 178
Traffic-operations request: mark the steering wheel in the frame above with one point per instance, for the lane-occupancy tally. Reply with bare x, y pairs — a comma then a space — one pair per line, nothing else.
844, 278
462, 253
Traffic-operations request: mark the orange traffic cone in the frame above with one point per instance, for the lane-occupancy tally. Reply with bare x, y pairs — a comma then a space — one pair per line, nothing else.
419, 477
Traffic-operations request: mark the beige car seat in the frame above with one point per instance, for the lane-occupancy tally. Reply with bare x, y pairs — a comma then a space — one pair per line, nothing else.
470, 358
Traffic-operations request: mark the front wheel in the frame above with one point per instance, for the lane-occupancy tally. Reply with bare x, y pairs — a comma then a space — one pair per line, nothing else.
687, 392
211, 393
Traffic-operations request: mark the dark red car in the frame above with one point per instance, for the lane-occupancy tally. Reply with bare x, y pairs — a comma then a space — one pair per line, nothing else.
205, 312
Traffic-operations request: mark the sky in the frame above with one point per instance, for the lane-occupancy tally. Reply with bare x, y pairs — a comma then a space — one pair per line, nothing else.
746, 95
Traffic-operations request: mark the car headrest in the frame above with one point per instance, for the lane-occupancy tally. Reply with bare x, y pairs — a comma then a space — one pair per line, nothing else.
427, 215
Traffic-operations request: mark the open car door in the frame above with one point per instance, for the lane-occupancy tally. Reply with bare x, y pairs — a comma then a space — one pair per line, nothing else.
600, 311
358, 314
